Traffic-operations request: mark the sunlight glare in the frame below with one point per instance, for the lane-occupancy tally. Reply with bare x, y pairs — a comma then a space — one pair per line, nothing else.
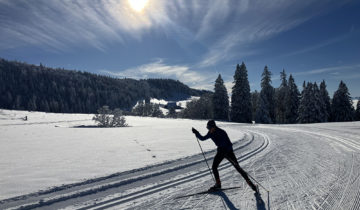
138, 5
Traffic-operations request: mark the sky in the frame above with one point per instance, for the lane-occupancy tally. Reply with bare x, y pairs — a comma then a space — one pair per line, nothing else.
189, 40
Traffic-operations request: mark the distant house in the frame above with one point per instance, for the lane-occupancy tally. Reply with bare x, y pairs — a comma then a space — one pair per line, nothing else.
172, 104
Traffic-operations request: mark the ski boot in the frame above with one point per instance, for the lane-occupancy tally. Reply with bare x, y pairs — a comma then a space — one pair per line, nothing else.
216, 187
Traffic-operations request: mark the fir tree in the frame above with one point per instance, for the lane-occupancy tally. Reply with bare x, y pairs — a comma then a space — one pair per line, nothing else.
292, 102
305, 112
325, 98
241, 98
341, 107
317, 105
310, 103
254, 102
357, 112
220, 100
266, 108
281, 94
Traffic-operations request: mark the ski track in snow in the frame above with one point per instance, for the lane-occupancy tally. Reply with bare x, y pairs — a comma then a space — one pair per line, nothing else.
304, 167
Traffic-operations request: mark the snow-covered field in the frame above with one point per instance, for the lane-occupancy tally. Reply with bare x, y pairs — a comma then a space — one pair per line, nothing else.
153, 162
53, 149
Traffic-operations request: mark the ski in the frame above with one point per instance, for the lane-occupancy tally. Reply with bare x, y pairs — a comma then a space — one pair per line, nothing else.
208, 192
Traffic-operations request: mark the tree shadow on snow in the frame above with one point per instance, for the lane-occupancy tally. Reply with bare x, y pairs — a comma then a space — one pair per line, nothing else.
95, 126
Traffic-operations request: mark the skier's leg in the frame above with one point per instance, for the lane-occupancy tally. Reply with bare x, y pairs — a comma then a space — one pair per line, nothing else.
217, 160
232, 158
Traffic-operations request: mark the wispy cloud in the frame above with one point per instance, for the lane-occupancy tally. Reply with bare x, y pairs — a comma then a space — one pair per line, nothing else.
57, 24
159, 69
318, 46
335, 70
251, 22
224, 27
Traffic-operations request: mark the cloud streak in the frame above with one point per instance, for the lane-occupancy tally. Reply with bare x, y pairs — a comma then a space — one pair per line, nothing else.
159, 69
58, 24
224, 27
331, 70
255, 21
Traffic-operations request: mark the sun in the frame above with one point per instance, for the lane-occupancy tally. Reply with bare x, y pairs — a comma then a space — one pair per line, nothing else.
138, 5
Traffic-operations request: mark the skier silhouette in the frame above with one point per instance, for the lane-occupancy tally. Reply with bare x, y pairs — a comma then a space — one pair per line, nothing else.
224, 150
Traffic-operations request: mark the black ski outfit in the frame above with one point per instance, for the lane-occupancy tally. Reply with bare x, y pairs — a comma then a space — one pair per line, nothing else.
224, 150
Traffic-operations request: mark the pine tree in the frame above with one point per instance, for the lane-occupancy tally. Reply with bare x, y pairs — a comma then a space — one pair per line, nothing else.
325, 98
281, 94
318, 104
254, 102
310, 105
241, 98
220, 100
292, 101
266, 108
341, 107
357, 112
302, 105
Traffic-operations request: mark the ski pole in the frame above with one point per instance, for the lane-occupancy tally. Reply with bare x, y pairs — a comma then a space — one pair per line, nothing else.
205, 158
258, 183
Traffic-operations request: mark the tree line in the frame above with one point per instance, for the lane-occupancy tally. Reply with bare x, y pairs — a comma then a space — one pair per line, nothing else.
284, 104
39, 88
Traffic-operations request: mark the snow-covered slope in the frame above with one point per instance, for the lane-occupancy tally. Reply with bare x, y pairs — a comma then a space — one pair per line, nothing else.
314, 166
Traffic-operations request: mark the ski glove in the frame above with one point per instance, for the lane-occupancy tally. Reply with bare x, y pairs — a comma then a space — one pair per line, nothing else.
195, 131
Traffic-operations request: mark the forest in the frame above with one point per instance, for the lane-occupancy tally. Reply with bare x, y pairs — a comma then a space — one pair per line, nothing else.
39, 88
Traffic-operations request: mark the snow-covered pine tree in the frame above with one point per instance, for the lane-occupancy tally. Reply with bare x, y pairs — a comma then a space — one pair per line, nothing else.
255, 103
318, 104
325, 98
266, 108
304, 113
341, 107
241, 98
292, 102
357, 112
280, 101
220, 100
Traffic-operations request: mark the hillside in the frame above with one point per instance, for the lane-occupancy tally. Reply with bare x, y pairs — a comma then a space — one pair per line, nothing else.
39, 88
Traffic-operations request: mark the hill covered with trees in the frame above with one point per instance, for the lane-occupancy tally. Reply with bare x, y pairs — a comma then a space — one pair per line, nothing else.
39, 88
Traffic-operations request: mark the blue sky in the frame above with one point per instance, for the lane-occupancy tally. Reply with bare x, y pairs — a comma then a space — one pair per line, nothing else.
192, 41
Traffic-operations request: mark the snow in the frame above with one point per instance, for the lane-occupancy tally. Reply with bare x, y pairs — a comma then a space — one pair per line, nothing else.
355, 103
53, 149
307, 166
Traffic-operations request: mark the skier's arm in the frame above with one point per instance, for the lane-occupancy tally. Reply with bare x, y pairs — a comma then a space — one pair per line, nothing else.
199, 136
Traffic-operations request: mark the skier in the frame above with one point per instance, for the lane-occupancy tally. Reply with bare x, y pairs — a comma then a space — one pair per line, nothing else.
224, 150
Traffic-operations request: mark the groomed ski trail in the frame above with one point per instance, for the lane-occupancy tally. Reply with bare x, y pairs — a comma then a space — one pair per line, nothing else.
304, 167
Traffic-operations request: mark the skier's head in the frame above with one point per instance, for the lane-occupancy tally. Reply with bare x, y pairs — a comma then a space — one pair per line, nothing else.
210, 124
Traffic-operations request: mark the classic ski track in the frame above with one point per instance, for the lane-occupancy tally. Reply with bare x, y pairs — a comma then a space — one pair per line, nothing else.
78, 193
343, 191
128, 197
203, 198
200, 200
246, 187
